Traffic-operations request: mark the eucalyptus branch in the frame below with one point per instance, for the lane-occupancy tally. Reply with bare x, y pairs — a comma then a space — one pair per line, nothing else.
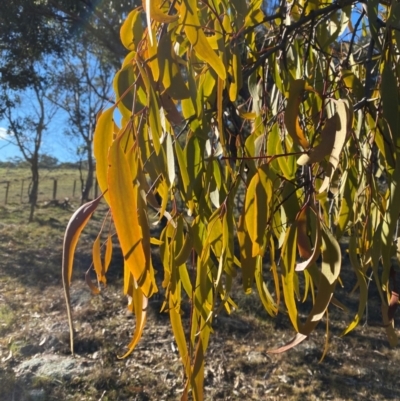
288, 29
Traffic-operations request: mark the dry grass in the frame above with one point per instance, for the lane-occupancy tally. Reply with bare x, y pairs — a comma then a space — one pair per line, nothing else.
19, 178
32, 312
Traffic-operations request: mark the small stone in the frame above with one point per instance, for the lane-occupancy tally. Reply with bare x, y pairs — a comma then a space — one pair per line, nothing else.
37, 395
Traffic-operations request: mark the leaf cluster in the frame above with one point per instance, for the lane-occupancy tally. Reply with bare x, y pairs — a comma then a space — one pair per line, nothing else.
216, 99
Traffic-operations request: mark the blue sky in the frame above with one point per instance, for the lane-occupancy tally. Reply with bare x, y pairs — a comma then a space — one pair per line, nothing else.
54, 143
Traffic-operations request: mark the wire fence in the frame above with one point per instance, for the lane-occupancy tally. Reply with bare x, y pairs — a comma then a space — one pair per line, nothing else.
16, 191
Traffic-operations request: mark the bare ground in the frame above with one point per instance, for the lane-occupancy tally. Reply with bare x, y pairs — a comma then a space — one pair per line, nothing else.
34, 336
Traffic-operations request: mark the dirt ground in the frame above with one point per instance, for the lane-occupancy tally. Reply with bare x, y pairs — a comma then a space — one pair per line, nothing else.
34, 335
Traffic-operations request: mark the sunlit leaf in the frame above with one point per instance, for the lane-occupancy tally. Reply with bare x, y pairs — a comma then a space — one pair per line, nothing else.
123, 201
196, 36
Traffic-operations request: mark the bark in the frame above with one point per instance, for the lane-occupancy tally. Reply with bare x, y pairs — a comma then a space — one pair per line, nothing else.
90, 173
33, 193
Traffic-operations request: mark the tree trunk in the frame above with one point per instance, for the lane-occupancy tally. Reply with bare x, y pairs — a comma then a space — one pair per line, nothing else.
90, 173
33, 194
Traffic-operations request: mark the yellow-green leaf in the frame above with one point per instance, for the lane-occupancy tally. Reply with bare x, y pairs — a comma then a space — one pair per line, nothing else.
196, 36
102, 139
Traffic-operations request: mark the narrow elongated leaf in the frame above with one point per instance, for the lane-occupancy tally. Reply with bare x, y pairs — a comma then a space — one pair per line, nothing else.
288, 261
340, 139
108, 255
316, 249
96, 254
170, 160
265, 295
76, 224
247, 260
330, 269
197, 38
298, 338
296, 91
102, 139
256, 210
170, 72
140, 304
123, 201
362, 303
154, 112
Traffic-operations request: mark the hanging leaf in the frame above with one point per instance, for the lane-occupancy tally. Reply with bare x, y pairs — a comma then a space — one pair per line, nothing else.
123, 201
102, 139
296, 91
195, 34
132, 30
76, 224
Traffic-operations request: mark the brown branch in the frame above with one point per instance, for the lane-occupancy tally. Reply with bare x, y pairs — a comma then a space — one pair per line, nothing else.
314, 14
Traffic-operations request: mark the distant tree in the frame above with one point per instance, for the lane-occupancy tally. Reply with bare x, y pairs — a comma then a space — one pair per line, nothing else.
47, 161
36, 29
28, 114
82, 89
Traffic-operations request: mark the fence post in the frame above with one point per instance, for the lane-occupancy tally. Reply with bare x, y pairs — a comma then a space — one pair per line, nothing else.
73, 191
54, 189
22, 190
7, 188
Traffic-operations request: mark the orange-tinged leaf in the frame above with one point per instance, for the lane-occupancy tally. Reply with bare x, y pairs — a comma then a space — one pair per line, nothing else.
74, 228
291, 117
303, 242
311, 258
292, 343
196, 36
95, 290
123, 202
